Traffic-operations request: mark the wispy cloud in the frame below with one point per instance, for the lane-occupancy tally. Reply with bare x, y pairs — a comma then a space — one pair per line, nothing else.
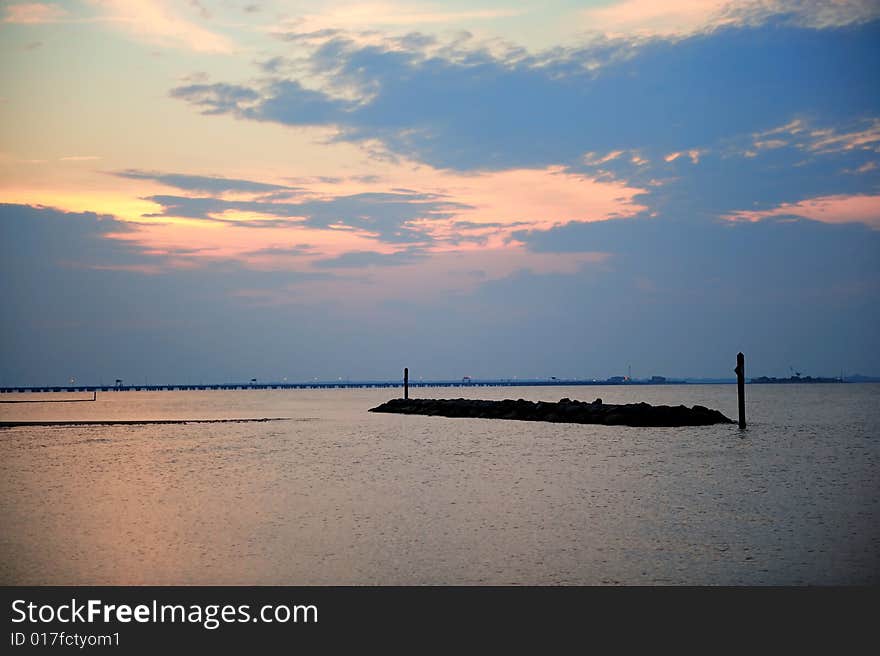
647, 17
364, 259
693, 154
680, 18
364, 15
857, 208
202, 183
394, 217
163, 23
829, 140
865, 168
219, 98
32, 13
804, 134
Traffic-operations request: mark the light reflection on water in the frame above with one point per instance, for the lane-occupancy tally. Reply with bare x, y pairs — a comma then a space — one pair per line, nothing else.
338, 495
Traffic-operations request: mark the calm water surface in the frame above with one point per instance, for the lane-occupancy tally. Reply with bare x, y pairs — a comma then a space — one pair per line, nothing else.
337, 495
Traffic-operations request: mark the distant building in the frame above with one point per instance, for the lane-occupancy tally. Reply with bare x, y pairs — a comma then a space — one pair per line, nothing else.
616, 379
658, 379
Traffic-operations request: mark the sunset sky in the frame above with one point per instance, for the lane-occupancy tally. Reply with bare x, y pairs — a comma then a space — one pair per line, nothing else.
217, 190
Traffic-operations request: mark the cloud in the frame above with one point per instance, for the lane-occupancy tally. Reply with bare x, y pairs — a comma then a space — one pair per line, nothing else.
827, 209
830, 140
865, 168
759, 170
782, 290
390, 217
442, 209
496, 236
805, 134
580, 299
66, 236
680, 18
364, 259
216, 98
296, 250
693, 154
472, 110
253, 222
702, 126
33, 13
675, 17
160, 22
384, 15
290, 103
79, 300
200, 8
202, 183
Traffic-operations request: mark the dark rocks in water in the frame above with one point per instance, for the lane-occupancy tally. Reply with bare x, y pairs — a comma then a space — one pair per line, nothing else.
566, 411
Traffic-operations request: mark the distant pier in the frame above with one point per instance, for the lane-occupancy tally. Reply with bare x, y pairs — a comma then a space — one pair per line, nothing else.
501, 382
366, 384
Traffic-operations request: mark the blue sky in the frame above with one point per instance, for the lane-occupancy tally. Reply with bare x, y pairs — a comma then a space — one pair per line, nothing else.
220, 190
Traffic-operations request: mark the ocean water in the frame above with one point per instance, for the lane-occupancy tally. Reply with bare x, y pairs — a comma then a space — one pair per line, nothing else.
337, 495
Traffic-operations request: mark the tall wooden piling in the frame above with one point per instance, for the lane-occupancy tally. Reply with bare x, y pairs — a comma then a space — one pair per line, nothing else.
741, 388
406, 382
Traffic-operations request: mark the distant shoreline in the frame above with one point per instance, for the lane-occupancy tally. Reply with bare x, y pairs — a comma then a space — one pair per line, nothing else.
378, 384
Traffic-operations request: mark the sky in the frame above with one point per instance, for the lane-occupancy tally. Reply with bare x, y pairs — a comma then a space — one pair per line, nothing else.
220, 190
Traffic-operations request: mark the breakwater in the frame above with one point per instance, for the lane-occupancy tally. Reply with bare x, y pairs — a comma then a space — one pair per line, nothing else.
565, 411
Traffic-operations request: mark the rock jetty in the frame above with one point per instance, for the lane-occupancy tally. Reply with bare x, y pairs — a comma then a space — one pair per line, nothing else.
566, 411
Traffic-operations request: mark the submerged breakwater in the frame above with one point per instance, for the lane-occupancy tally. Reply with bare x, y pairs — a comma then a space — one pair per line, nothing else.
566, 411
133, 422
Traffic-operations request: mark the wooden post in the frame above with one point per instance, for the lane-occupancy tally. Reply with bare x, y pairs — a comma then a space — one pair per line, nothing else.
406, 382
741, 388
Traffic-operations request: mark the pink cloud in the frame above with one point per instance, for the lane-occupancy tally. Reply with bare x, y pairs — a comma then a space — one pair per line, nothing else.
162, 23
494, 205
459, 252
693, 154
863, 135
828, 140
361, 15
649, 17
32, 13
539, 198
828, 209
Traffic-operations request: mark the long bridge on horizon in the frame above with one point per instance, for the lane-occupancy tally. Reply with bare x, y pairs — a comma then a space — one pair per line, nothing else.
336, 384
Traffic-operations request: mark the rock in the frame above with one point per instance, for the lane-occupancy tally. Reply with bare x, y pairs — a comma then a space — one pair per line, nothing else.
568, 411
